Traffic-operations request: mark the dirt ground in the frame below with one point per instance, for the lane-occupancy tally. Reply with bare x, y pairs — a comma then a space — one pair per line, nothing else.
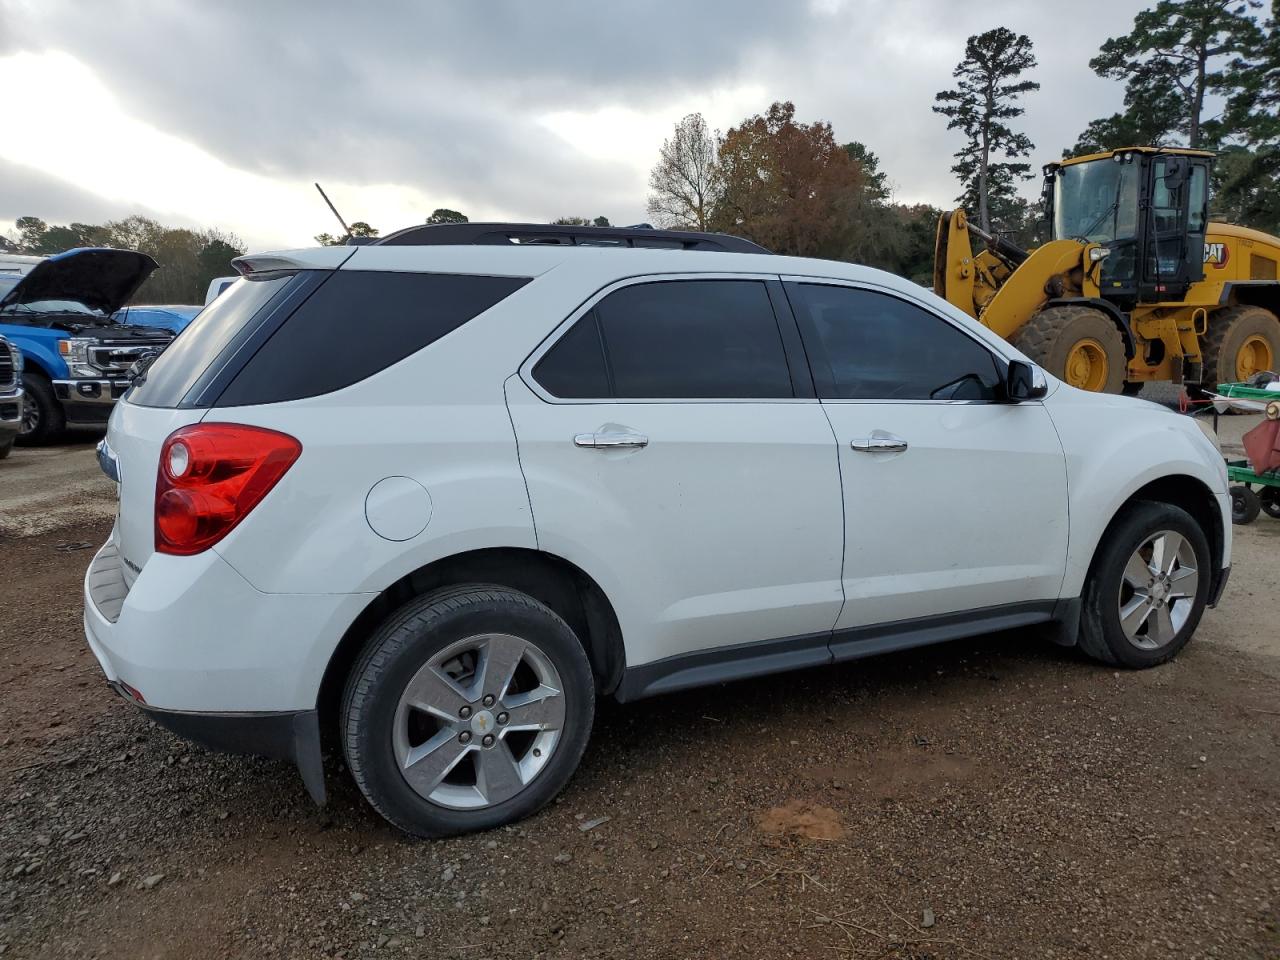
988, 798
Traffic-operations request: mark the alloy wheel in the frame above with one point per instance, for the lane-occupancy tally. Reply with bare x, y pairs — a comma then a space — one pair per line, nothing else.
1158, 590
30, 417
479, 721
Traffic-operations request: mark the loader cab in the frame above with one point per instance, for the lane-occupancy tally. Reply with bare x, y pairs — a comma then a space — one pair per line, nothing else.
1147, 207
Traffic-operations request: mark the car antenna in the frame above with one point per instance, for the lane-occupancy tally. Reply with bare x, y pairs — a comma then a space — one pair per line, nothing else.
346, 231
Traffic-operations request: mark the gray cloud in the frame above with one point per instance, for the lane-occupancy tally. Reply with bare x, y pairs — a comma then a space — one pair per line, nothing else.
445, 96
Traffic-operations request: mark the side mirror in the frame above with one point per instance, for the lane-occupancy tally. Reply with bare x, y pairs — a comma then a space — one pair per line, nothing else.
1024, 381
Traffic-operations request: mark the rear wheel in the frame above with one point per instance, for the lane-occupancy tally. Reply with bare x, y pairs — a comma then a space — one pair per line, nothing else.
1243, 340
469, 709
42, 417
1147, 587
1077, 344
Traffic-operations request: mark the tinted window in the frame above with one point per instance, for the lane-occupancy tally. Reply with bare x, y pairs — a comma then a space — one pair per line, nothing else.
176, 370
694, 339
574, 367
357, 323
878, 347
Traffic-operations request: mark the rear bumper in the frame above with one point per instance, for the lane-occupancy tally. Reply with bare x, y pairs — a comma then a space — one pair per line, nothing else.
88, 402
192, 635
213, 659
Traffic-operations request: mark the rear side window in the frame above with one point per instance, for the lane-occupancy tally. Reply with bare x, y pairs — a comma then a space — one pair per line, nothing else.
694, 339
356, 324
878, 347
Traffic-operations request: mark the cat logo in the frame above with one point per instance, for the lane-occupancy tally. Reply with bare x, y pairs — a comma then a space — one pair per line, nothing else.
1216, 254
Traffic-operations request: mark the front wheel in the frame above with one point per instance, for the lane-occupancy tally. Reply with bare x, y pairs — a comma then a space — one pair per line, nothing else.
1147, 587
469, 709
42, 417
1078, 344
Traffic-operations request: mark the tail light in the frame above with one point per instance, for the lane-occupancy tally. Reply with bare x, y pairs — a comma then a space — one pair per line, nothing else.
211, 476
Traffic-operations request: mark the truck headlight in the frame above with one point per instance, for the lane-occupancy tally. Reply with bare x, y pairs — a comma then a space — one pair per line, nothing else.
75, 351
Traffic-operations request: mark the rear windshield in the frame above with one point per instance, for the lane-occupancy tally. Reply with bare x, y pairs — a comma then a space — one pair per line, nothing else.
205, 340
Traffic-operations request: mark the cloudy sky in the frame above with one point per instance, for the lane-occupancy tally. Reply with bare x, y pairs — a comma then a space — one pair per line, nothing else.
223, 114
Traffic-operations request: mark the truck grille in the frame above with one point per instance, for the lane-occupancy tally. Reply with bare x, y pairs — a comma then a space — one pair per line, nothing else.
116, 357
7, 372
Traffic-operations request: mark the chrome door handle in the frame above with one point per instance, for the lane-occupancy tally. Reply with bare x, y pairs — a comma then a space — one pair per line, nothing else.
605, 441
886, 443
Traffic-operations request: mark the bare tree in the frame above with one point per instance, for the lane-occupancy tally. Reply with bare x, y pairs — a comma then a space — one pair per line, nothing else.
685, 182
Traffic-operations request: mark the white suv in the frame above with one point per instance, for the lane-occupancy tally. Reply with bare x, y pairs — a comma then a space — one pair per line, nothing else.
434, 496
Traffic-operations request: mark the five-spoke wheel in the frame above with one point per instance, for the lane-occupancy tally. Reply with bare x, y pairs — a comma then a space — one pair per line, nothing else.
1158, 590
479, 721
469, 708
1147, 586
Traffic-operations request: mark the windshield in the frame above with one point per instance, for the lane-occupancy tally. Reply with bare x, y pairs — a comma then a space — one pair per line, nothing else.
1096, 201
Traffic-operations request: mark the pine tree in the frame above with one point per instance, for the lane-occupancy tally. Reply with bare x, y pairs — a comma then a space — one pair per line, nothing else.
1176, 55
981, 106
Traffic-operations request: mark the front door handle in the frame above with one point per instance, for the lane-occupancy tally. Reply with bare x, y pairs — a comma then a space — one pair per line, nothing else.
610, 439
879, 443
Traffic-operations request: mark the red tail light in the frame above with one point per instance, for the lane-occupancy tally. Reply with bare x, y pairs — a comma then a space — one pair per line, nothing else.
211, 475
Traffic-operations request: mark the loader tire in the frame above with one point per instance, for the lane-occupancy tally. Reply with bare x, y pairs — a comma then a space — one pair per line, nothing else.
1078, 345
1242, 340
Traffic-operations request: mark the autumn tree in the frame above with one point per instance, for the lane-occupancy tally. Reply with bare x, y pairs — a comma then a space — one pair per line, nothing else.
1177, 54
981, 107
685, 182
786, 185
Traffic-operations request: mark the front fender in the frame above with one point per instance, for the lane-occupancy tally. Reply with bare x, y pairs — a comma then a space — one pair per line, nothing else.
1114, 447
39, 349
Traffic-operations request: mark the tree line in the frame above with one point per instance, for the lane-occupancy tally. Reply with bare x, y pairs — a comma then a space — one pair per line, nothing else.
189, 259
1196, 73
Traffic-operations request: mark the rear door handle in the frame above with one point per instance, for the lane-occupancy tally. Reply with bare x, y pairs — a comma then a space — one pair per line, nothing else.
609, 440
879, 443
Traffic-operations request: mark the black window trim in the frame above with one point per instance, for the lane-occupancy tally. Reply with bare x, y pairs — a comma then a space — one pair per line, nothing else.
817, 355
788, 331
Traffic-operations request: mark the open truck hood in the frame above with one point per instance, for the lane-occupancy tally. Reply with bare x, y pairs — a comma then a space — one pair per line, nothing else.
98, 277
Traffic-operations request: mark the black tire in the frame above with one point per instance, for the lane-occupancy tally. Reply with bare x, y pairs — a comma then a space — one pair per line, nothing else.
1228, 330
1049, 337
1132, 388
42, 416
1245, 505
6, 448
1270, 501
402, 645
1101, 635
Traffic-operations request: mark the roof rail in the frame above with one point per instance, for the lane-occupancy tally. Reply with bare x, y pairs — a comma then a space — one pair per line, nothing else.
553, 234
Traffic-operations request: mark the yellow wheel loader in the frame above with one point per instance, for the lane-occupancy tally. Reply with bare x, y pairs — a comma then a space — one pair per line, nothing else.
1135, 283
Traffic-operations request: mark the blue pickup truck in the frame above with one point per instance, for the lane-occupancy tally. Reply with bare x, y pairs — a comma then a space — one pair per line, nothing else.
63, 317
